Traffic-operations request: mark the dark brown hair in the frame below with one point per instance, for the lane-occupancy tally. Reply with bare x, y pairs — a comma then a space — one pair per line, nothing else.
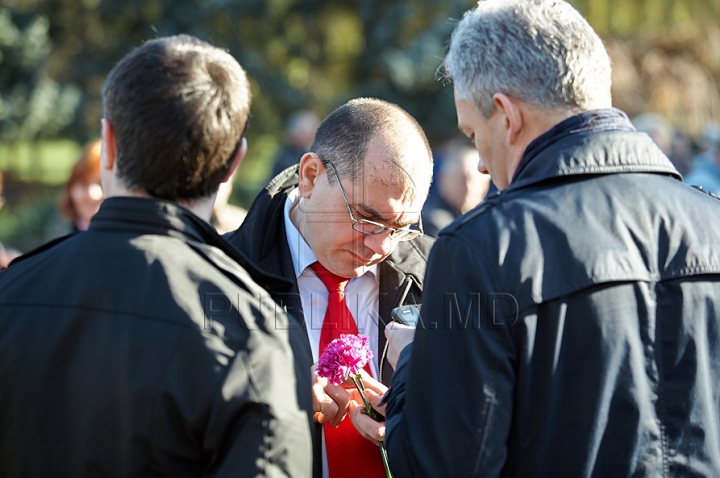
179, 107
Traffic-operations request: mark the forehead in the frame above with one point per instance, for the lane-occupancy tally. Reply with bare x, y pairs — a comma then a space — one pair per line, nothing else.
468, 116
387, 184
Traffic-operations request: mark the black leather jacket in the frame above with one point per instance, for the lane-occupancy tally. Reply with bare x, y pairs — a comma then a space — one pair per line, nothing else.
142, 348
262, 238
571, 325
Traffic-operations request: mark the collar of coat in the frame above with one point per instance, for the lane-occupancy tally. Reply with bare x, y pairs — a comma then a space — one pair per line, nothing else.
594, 142
156, 216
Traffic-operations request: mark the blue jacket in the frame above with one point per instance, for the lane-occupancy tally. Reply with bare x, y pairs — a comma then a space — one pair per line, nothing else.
571, 323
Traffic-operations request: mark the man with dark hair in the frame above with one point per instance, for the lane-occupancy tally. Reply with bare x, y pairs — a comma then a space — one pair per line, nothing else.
570, 322
141, 347
348, 215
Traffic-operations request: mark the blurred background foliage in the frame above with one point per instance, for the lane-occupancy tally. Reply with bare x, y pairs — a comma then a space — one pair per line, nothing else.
302, 54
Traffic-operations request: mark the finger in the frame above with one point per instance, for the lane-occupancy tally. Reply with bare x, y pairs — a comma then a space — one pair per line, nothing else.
341, 400
326, 411
372, 384
324, 406
375, 399
366, 426
393, 326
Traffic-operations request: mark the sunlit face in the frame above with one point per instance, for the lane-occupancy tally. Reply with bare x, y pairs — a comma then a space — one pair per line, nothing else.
487, 135
381, 194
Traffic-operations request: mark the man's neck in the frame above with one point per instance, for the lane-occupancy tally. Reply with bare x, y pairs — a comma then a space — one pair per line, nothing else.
201, 207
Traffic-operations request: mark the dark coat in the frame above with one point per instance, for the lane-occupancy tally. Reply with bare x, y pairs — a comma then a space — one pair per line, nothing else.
141, 348
262, 237
576, 327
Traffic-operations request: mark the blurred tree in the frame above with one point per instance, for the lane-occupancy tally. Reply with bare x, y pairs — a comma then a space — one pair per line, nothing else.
298, 53
32, 103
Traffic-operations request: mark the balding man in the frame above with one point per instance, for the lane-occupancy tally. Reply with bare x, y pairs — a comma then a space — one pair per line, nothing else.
351, 208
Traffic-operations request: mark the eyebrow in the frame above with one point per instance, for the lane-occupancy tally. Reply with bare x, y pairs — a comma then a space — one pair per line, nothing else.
376, 216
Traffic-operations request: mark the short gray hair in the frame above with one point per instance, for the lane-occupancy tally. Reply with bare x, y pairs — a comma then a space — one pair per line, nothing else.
542, 52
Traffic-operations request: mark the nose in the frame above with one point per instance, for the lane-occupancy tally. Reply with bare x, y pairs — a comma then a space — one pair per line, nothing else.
481, 166
379, 243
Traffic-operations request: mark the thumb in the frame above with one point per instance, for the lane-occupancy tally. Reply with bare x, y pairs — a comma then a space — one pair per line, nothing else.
374, 399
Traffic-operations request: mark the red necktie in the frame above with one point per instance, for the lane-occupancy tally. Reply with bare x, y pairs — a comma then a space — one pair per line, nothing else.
349, 454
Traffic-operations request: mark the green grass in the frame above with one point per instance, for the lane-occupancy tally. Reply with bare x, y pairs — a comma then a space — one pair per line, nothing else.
46, 162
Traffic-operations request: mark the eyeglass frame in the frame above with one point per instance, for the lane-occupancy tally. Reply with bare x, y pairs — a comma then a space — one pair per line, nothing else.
405, 231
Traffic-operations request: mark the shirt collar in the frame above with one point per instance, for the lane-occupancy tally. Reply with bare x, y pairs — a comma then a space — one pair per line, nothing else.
302, 254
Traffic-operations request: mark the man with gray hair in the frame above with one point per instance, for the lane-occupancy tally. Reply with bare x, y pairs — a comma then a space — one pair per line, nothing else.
569, 323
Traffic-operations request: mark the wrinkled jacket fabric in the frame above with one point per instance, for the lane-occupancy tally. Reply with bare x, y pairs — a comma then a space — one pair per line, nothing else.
262, 238
142, 348
571, 324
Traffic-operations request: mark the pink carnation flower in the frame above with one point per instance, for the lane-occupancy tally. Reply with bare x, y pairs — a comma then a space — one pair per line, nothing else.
344, 356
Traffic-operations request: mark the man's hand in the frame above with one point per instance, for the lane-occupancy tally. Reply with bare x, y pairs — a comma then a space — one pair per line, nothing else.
330, 402
366, 426
398, 336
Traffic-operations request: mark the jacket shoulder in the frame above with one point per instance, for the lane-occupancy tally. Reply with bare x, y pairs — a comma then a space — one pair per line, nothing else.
256, 235
410, 256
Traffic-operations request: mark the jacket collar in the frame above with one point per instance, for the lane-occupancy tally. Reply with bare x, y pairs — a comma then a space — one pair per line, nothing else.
156, 216
151, 216
594, 142
262, 233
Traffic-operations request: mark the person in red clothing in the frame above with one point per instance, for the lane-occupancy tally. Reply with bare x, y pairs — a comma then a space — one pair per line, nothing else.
344, 226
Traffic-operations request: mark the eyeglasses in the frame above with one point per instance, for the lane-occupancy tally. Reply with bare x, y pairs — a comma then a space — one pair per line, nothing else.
365, 226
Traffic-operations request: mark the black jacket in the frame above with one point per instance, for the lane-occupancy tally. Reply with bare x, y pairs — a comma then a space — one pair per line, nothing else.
141, 348
262, 237
571, 325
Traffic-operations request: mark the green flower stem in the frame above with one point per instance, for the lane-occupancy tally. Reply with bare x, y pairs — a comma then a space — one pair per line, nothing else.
369, 410
375, 415
383, 454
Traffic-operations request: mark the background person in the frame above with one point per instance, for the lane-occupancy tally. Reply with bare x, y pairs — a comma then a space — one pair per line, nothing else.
82, 195
460, 187
570, 323
706, 166
348, 215
7, 254
299, 133
141, 347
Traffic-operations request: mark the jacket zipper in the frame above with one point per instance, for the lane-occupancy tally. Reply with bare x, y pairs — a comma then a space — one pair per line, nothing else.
385, 349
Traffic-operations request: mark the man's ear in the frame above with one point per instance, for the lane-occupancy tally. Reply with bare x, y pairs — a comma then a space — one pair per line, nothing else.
239, 156
513, 116
109, 146
311, 170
